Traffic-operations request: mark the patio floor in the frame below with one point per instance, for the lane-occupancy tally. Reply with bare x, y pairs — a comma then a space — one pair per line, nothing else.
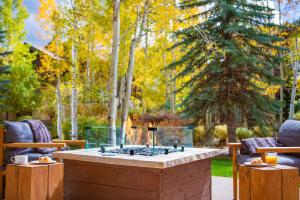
221, 188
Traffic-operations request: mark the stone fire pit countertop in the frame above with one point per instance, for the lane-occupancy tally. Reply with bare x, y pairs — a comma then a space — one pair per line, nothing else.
157, 161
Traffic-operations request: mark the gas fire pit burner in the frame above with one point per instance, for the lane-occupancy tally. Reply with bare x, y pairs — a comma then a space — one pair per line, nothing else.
145, 151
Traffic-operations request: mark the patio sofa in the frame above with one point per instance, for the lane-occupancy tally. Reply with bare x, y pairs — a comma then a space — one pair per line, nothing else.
18, 138
287, 145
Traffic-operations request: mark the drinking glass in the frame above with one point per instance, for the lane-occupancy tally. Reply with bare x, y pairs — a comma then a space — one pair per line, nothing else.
271, 158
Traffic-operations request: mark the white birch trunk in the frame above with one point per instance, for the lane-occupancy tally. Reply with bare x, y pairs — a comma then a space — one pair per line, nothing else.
59, 109
293, 95
74, 94
122, 92
173, 87
88, 59
88, 69
281, 96
130, 69
114, 74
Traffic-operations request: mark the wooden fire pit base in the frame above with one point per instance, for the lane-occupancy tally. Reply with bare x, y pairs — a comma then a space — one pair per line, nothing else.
99, 181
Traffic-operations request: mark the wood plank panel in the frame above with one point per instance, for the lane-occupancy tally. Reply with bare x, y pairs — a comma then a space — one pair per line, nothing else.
85, 180
184, 173
196, 189
244, 183
206, 195
56, 182
76, 190
266, 184
185, 182
290, 185
11, 189
127, 177
33, 182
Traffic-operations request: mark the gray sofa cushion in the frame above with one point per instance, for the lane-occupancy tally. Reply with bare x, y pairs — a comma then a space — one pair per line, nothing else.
18, 132
289, 134
283, 159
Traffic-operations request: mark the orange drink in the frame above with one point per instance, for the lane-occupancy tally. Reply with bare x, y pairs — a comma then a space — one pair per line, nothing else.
271, 158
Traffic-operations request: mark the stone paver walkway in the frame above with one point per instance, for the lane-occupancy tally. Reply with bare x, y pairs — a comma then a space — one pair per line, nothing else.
222, 188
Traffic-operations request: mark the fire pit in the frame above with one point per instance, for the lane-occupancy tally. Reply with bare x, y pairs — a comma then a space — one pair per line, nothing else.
144, 151
148, 174
155, 164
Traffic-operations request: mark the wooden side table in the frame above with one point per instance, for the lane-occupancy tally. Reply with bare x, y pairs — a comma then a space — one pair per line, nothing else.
34, 182
268, 183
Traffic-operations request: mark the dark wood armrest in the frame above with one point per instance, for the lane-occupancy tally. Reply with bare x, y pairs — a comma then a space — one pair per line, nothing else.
80, 143
234, 145
34, 145
278, 149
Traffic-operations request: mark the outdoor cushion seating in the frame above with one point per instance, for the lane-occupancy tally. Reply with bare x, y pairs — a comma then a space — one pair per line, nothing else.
28, 131
21, 132
287, 146
18, 138
40, 134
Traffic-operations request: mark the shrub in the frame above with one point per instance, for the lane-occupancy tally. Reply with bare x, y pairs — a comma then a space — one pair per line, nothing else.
83, 122
297, 116
263, 131
243, 133
199, 133
220, 132
24, 117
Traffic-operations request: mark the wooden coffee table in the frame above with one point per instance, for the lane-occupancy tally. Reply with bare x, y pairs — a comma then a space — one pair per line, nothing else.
278, 182
34, 182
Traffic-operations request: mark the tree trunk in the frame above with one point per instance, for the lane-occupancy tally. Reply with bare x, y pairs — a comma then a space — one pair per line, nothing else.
294, 89
281, 72
293, 95
74, 94
166, 73
114, 74
231, 126
90, 49
281, 96
208, 119
129, 76
122, 91
59, 109
173, 87
88, 69
130, 69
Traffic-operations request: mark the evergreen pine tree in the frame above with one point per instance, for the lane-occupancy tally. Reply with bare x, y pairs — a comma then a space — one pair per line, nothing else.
229, 57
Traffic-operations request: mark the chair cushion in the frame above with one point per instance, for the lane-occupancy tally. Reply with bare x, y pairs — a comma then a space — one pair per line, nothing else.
283, 159
289, 134
249, 145
18, 132
41, 135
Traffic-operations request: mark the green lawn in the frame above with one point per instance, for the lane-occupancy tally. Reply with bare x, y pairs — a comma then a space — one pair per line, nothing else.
221, 167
